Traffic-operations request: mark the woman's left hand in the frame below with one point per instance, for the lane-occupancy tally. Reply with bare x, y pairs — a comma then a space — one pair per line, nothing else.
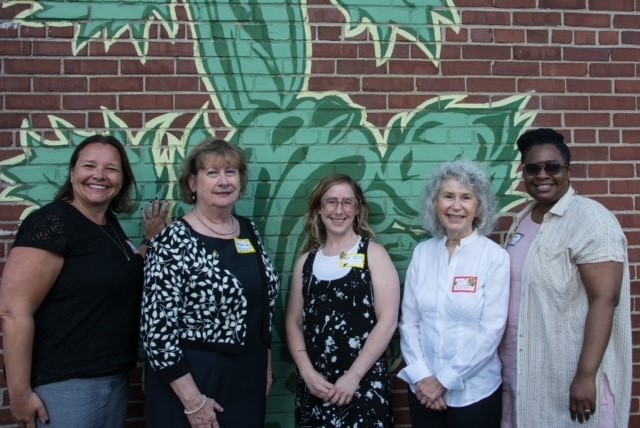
342, 391
582, 396
428, 390
155, 218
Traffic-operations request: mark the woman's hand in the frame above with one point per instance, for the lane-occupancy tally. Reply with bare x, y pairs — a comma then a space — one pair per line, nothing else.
155, 218
317, 384
26, 408
342, 391
582, 399
206, 417
428, 390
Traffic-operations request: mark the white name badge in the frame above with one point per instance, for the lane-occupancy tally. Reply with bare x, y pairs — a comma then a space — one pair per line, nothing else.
465, 284
515, 238
352, 260
243, 246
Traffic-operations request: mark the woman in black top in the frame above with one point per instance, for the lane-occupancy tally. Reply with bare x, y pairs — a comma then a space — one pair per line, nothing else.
70, 296
208, 301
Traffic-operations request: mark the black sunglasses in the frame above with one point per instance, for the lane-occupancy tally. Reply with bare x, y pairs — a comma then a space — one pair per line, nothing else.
552, 167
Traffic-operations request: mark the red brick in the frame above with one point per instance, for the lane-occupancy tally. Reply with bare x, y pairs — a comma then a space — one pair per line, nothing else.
566, 103
119, 84
630, 37
568, 69
585, 54
610, 103
541, 85
629, 120
631, 21
60, 84
593, 86
392, 84
37, 102
564, 37
611, 5
485, 18
160, 66
537, 19
536, 53
482, 35
171, 84
624, 54
320, 66
441, 85
587, 119
143, 101
503, 35
15, 48
486, 52
14, 84
585, 38
535, 36
358, 67
462, 68
608, 38
51, 48
29, 66
510, 68
90, 66
611, 70
88, 102
594, 20
624, 154
562, 4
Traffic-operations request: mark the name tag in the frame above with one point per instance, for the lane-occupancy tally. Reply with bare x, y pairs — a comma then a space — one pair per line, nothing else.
352, 260
465, 284
243, 246
515, 238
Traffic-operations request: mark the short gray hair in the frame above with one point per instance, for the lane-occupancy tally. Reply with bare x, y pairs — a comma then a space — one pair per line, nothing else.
471, 175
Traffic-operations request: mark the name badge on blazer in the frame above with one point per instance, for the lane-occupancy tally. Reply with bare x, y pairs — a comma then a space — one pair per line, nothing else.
465, 284
244, 246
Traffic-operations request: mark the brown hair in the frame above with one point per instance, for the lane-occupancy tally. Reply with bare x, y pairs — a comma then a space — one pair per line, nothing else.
122, 201
222, 150
316, 232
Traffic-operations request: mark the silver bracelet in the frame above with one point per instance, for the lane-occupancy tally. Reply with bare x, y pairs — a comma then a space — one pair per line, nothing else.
197, 409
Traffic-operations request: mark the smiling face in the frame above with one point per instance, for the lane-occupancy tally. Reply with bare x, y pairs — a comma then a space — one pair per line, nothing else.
216, 184
456, 206
96, 177
339, 206
546, 188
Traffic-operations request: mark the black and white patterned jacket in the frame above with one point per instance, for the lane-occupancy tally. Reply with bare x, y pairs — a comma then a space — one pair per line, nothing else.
189, 299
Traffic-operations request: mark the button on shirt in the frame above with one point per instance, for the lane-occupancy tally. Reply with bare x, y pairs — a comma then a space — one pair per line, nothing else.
453, 316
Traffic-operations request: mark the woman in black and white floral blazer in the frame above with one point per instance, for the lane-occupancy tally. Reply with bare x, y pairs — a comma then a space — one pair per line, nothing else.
209, 296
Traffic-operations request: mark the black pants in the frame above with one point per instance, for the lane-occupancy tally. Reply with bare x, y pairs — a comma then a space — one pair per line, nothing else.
485, 413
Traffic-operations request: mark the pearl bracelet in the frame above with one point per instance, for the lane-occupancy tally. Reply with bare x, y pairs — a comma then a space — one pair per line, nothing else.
197, 409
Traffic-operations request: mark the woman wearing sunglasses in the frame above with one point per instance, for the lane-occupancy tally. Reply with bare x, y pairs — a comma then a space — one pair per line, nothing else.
566, 353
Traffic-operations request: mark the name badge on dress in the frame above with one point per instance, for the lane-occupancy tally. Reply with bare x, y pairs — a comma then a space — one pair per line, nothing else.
464, 284
352, 260
515, 238
244, 246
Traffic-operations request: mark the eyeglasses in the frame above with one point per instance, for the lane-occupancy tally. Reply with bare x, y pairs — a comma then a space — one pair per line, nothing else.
552, 167
331, 204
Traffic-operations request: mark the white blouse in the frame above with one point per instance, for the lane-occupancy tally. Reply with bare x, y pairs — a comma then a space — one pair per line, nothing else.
453, 316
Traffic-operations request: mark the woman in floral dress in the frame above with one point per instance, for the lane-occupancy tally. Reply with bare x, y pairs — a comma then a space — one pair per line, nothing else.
342, 313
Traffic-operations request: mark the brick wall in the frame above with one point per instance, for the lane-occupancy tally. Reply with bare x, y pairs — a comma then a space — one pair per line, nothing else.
577, 59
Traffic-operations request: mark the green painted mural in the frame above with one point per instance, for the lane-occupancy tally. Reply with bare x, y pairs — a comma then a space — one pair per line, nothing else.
254, 59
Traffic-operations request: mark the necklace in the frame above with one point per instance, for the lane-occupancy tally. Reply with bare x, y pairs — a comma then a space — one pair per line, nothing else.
115, 241
195, 212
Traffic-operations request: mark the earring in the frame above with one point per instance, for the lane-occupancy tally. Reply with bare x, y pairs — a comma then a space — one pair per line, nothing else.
193, 197
356, 224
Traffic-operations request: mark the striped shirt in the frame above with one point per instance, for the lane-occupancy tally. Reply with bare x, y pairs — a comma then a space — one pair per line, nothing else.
553, 308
